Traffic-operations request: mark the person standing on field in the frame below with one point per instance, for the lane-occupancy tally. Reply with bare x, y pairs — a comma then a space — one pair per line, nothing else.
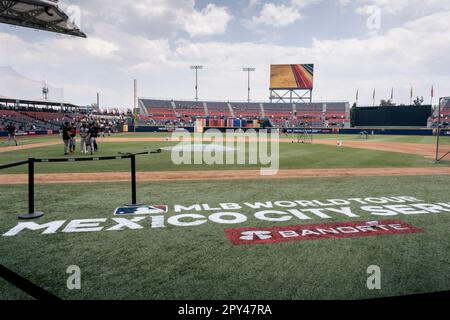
73, 135
84, 135
66, 137
93, 134
11, 128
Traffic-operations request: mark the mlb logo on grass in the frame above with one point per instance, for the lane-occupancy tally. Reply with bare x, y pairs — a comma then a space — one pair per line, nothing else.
137, 210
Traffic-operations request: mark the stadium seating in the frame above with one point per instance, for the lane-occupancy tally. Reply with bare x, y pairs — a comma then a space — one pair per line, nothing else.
186, 109
159, 108
218, 109
53, 118
246, 110
444, 115
22, 121
173, 112
445, 111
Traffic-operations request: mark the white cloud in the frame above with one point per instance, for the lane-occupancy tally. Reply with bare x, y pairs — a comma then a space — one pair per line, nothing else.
304, 3
254, 3
114, 54
101, 48
398, 6
210, 21
281, 15
275, 16
154, 18
411, 55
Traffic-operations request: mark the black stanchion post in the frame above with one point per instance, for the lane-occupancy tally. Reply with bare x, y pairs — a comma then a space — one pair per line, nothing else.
133, 181
31, 213
30, 185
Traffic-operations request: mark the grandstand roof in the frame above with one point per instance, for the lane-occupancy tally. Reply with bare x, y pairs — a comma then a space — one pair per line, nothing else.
37, 102
38, 14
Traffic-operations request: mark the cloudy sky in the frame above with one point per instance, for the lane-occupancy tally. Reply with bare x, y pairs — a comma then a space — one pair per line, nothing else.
354, 44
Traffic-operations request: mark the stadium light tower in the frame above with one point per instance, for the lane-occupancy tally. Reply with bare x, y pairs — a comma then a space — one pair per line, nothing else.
196, 68
45, 92
248, 70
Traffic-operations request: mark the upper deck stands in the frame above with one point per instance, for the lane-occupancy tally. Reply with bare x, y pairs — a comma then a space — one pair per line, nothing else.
220, 109
318, 113
159, 108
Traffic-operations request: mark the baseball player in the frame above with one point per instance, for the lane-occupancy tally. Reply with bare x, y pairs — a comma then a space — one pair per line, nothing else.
11, 133
93, 134
85, 137
73, 138
66, 137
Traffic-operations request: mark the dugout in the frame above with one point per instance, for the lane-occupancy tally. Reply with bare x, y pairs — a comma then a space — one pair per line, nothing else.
390, 116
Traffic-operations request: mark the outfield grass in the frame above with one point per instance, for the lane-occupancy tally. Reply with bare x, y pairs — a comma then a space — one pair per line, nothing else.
380, 138
26, 140
292, 156
199, 262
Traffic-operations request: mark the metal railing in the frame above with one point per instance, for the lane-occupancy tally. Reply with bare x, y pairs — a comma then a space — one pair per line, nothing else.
32, 214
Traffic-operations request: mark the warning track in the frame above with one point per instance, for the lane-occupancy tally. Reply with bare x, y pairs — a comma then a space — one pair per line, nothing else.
54, 178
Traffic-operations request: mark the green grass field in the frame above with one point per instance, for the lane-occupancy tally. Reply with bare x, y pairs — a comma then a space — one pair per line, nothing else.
25, 140
292, 156
199, 262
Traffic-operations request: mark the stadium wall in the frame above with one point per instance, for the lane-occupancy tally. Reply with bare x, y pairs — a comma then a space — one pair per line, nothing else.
390, 116
376, 131
30, 133
156, 129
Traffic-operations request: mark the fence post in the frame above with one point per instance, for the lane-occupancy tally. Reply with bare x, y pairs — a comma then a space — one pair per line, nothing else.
133, 182
438, 130
31, 213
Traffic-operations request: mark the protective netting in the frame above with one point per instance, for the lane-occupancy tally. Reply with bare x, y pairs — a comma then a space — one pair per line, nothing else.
443, 144
16, 86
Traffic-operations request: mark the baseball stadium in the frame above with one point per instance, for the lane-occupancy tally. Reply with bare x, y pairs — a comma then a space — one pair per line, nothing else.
170, 199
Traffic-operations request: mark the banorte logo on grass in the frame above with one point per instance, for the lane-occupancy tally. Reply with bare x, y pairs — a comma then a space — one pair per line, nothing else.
246, 236
234, 147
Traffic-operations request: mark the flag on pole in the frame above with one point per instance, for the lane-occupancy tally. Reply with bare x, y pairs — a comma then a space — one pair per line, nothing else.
411, 96
374, 94
432, 94
392, 94
357, 95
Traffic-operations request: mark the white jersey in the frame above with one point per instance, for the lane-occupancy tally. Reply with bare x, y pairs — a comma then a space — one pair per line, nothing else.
84, 133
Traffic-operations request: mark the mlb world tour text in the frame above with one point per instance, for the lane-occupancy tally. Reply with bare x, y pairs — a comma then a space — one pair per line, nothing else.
235, 213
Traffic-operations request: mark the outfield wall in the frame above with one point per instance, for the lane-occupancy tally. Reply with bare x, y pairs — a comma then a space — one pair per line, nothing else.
156, 129
30, 133
376, 131
401, 116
